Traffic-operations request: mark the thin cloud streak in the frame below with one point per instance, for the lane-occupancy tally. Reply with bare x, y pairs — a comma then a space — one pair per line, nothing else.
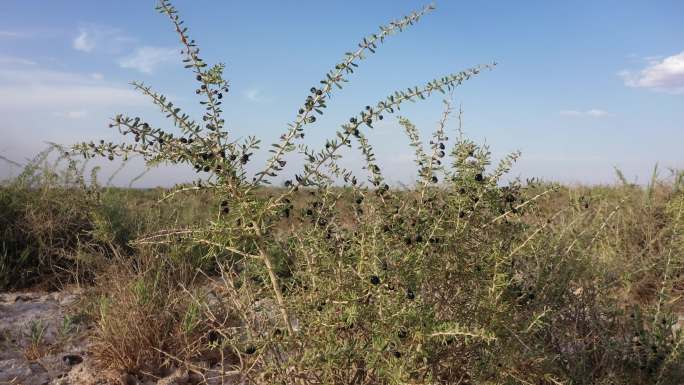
10, 34
593, 113
256, 95
146, 59
25, 88
73, 115
12, 61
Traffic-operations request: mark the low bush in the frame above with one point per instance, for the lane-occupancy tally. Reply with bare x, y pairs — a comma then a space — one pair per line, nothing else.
147, 315
341, 279
59, 225
46, 220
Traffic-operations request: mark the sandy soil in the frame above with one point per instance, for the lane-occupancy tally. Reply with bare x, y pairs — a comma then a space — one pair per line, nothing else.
42, 342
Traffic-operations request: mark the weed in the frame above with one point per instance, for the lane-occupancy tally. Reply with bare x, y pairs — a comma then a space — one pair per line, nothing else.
339, 278
36, 335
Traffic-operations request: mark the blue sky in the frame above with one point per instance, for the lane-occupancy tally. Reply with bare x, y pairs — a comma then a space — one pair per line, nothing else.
582, 86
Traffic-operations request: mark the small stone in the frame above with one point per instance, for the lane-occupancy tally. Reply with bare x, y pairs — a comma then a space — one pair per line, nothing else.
72, 359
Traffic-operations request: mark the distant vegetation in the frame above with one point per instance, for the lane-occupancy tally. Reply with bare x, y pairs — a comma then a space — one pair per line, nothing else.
335, 278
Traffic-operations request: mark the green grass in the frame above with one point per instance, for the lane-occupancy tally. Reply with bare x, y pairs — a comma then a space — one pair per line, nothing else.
339, 278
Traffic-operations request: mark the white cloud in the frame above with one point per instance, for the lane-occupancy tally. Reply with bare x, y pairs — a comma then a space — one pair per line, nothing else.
256, 95
34, 76
9, 34
26, 88
99, 38
67, 96
253, 94
113, 41
652, 59
80, 114
594, 113
146, 59
38, 105
84, 42
10, 60
665, 75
